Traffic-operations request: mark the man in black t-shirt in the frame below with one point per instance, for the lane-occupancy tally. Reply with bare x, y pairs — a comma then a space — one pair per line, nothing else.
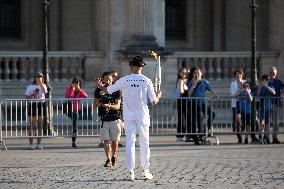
109, 112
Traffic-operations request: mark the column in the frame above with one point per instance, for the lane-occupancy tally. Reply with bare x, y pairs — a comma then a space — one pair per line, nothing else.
218, 27
145, 24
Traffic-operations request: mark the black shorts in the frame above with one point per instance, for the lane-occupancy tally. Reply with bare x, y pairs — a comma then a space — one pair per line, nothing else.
35, 109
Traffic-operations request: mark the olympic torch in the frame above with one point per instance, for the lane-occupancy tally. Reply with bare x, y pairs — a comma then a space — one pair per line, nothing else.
158, 71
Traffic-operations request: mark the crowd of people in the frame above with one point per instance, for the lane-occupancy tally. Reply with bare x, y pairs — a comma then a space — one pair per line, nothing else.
193, 109
133, 91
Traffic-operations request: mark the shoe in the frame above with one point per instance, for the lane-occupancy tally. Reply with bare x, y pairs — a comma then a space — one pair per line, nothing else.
240, 139
246, 141
74, 145
275, 141
108, 163
266, 140
32, 147
187, 140
113, 161
196, 142
180, 139
101, 145
148, 175
121, 145
132, 176
39, 147
254, 141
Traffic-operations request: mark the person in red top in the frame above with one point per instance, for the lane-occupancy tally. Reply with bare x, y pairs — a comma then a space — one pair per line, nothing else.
75, 91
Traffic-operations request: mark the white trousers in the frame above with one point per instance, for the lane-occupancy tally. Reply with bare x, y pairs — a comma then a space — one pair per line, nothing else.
131, 127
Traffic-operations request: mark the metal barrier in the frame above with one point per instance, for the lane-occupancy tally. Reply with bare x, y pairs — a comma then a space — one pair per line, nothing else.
166, 117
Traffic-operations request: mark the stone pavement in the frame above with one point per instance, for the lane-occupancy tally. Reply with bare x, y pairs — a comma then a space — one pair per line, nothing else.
174, 165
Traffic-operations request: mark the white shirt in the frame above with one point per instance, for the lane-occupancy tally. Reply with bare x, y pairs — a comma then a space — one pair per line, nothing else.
33, 88
234, 88
135, 90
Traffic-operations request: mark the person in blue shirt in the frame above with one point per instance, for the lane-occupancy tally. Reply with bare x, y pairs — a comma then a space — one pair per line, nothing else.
197, 89
266, 107
278, 85
245, 99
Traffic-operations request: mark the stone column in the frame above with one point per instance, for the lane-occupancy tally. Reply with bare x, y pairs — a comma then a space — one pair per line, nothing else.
218, 28
145, 25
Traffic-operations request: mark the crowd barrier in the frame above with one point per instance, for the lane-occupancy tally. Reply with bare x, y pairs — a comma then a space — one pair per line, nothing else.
165, 117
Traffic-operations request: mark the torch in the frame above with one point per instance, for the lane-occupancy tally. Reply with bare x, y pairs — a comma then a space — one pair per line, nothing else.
158, 71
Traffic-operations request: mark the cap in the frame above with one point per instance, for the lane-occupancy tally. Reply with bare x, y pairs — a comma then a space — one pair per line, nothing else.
38, 74
137, 61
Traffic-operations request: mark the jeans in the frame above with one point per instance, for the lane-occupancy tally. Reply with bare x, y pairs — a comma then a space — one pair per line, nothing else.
75, 118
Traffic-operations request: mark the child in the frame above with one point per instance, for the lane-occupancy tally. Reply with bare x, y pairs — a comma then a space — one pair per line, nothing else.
245, 99
265, 92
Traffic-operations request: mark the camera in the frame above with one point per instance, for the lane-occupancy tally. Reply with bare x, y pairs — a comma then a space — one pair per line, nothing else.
36, 90
104, 98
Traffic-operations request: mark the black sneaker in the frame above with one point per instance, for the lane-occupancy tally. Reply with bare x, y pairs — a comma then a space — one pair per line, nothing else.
74, 145
275, 141
266, 140
246, 141
254, 141
113, 161
240, 139
108, 163
121, 145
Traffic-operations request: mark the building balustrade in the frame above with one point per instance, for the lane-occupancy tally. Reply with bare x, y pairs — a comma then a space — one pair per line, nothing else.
22, 65
219, 66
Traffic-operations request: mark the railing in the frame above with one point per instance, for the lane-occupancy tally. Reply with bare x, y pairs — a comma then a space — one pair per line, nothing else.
14, 119
22, 65
221, 65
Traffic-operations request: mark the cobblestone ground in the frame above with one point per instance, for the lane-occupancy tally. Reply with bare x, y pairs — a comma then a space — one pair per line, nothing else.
173, 166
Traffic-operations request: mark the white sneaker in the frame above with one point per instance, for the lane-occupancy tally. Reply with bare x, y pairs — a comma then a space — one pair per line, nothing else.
32, 147
148, 175
132, 176
39, 147
178, 139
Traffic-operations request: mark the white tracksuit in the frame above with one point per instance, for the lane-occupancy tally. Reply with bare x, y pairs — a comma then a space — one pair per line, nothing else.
135, 90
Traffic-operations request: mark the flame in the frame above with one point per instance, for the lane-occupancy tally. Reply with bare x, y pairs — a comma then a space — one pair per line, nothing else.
154, 54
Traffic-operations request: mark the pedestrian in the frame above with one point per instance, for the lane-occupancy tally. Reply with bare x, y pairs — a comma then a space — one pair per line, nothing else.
235, 88
109, 111
75, 91
278, 85
181, 85
135, 89
265, 93
197, 90
191, 132
36, 93
245, 99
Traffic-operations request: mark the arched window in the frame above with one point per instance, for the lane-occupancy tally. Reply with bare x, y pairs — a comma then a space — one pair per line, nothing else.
175, 19
10, 19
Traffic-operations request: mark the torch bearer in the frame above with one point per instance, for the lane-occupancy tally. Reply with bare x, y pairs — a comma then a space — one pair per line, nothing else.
158, 71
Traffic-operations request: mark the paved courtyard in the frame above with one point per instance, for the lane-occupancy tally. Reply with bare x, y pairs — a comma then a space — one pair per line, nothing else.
174, 165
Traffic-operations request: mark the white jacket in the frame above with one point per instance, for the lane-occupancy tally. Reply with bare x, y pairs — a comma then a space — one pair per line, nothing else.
234, 88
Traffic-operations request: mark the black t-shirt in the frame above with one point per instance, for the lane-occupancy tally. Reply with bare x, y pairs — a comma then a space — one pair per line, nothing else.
104, 98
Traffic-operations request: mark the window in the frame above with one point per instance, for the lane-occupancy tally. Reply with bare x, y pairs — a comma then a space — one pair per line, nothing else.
176, 19
10, 19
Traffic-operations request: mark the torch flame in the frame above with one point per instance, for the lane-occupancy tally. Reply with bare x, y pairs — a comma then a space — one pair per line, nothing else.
154, 54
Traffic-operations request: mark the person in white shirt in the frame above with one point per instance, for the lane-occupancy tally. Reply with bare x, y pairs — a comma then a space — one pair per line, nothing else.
36, 92
235, 89
135, 89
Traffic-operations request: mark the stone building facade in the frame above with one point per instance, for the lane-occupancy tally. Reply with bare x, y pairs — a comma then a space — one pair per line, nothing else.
99, 35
